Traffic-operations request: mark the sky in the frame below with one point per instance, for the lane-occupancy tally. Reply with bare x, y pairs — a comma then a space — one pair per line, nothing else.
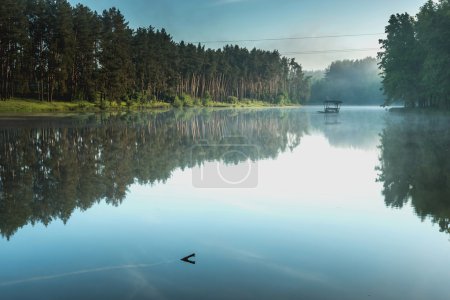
236, 20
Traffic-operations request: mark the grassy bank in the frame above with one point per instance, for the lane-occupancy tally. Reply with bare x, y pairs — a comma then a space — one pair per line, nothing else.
24, 105
31, 106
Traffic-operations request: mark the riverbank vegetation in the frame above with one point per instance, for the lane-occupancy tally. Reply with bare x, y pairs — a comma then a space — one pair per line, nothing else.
52, 51
415, 57
32, 106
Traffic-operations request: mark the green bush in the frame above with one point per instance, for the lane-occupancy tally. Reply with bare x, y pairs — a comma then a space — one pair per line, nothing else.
282, 99
103, 105
206, 101
232, 100
197, 102
187, 100
82, 105
177, 102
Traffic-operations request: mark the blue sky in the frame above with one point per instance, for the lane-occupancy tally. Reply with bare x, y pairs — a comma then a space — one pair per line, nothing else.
212, 20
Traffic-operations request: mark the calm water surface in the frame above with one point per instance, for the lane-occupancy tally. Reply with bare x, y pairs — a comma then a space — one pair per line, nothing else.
353, 206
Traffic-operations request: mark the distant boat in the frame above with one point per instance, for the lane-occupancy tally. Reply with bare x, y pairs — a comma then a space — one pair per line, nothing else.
331, 107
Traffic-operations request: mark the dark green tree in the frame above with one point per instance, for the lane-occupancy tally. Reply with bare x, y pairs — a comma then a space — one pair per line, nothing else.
401, 61
61, 45
13, 41
433, 36
116, 70
38, 52
84, 70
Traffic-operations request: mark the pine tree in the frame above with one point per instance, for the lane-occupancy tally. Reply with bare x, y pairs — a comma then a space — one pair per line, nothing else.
116, 77
401, 61
12, 44
87, 33
61, 44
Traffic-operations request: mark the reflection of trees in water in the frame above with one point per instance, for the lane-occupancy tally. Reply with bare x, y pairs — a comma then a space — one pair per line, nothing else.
415, 166
53, 166
352, 128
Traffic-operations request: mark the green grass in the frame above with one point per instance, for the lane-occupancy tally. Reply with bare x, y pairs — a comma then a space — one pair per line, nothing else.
150, 105
22, 105
246, 103
32, 106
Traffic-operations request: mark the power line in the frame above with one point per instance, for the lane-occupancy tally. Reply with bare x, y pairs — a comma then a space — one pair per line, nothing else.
291, 38
329, 51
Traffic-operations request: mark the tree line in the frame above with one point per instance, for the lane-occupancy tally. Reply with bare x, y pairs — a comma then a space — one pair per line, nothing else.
355, 82
415, 57
50, 50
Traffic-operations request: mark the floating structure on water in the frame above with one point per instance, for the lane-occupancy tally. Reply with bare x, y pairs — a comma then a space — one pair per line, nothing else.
331, 107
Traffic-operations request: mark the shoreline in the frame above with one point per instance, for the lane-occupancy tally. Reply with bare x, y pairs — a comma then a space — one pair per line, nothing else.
418, 110
29, 106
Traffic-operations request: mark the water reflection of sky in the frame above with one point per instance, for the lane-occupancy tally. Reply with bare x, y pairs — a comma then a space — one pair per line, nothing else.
316, 227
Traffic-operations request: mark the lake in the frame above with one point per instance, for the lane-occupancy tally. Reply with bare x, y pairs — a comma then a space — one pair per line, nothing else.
275, 203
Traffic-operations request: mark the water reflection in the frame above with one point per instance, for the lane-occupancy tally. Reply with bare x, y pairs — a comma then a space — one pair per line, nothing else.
316, 227
50, 167
415, 164
352, 128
